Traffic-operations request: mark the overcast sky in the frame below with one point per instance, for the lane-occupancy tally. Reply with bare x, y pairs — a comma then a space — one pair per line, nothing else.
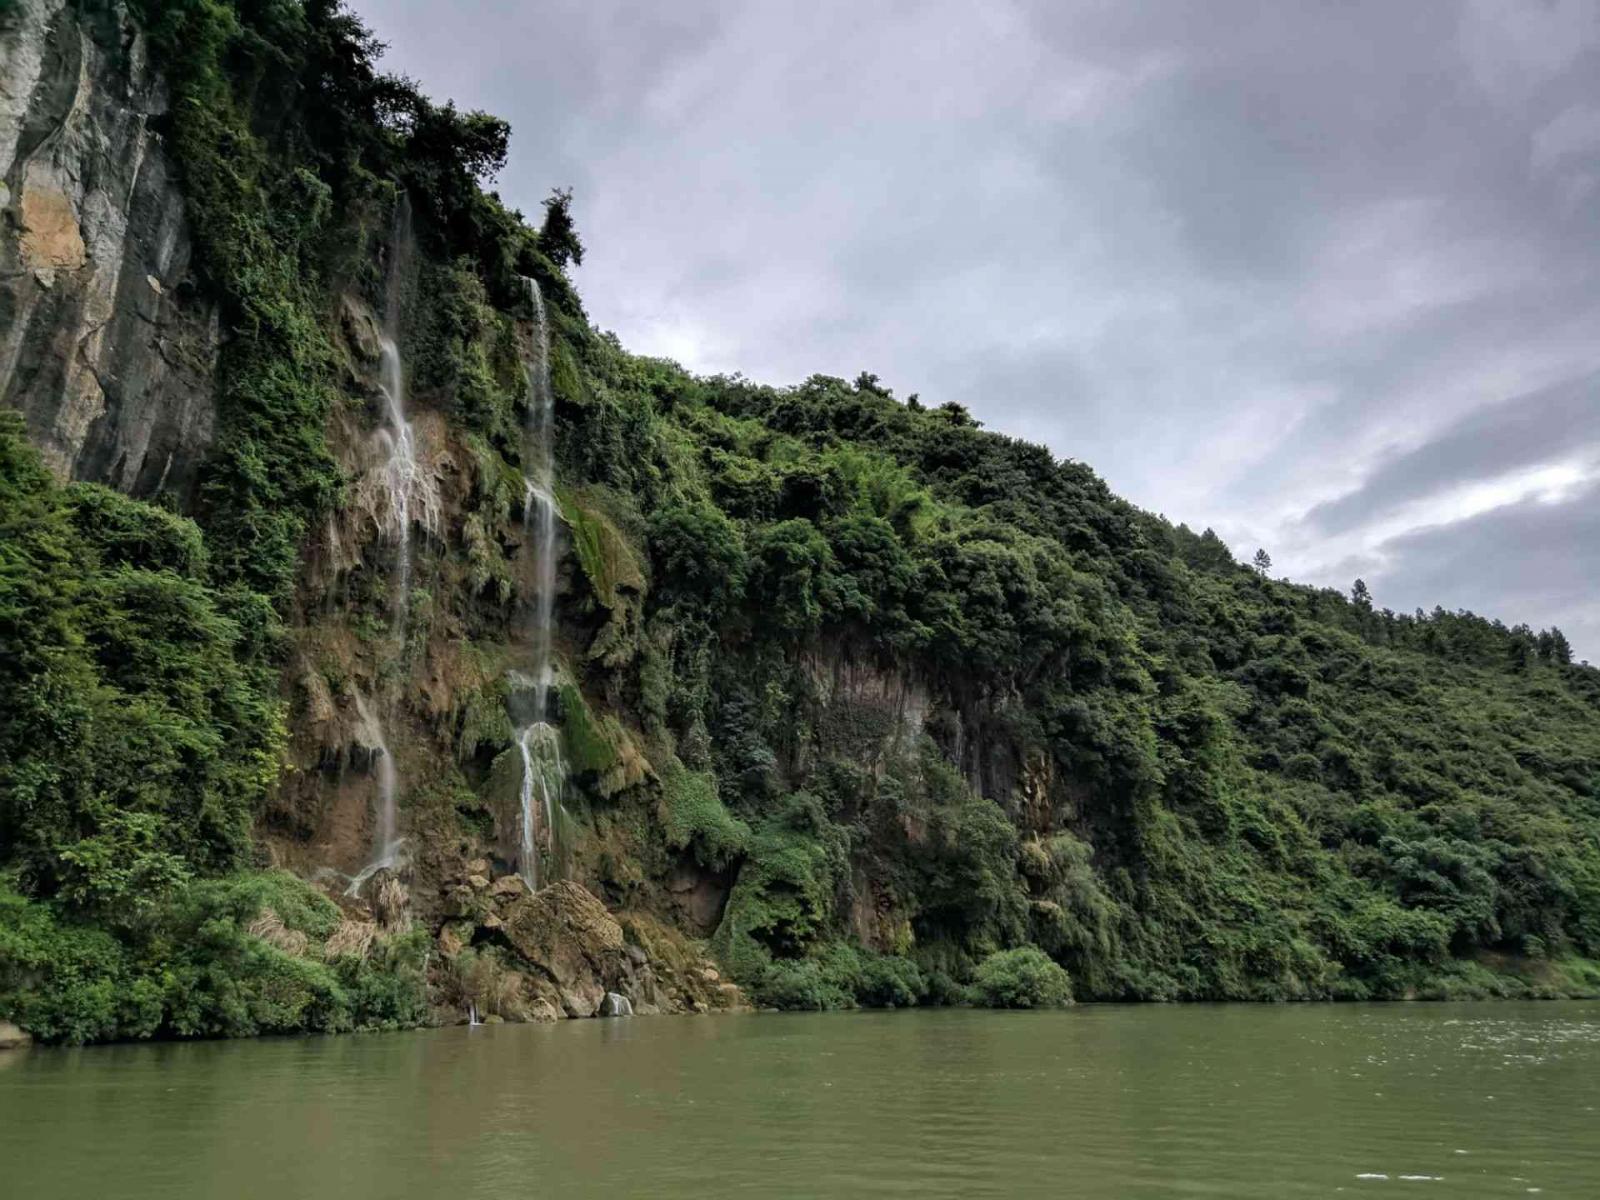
1322, 275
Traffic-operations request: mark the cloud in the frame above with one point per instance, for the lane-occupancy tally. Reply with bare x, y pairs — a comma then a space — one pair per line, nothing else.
1558, 425
1275, 268
1529, 557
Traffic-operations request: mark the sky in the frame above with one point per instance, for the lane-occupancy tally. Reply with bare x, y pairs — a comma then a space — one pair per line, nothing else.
1324, 276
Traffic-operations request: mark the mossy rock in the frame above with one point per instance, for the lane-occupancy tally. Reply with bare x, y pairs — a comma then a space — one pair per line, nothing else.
600, 746
610, 562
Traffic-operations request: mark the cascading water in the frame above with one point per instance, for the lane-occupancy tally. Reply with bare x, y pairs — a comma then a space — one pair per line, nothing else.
400, 472
401, 480
387, 835
543, 772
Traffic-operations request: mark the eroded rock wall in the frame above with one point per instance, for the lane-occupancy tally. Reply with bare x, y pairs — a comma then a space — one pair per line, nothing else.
106, 345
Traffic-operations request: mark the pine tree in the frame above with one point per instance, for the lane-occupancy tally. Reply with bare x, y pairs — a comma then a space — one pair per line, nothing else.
1262, 562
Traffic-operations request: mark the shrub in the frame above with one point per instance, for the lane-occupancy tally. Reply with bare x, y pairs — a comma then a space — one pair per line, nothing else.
1022, 978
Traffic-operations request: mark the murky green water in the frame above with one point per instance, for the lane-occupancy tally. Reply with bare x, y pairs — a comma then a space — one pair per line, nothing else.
1377, 1100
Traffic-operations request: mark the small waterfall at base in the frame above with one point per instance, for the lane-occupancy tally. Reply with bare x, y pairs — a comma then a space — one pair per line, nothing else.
386, 837
543, 772
472, 1013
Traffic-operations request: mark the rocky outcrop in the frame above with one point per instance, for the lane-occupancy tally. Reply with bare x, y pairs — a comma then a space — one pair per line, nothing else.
558, 952
12, 1037
567, 934
106, 345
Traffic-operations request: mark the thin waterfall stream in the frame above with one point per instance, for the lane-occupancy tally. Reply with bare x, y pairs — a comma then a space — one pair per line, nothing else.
543, 771
401, 478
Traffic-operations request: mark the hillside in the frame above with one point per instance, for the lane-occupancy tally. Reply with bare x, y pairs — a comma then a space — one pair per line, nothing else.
324, 504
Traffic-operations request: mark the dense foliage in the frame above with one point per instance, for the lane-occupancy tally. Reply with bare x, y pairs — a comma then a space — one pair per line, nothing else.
932, 713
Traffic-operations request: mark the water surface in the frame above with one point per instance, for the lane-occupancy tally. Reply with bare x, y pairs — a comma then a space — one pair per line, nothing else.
1099, 1101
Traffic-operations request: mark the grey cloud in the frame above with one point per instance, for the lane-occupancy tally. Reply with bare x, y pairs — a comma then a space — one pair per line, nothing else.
1529, 562
1527, 431
1245, 259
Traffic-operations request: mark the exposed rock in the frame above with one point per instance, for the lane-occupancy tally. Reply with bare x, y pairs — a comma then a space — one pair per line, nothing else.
700, 897
13, 1037
729, 997
567, 934
582, 999
361, 329
509, 886
478, 866
615, 1005
460, 901
107, 347
477, 883
451, 942
543, 1012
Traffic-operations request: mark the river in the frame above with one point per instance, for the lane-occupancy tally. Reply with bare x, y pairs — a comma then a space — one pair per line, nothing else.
1448, 1100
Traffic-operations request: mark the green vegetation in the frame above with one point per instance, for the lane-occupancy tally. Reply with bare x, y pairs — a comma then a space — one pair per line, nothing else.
941, 716
1022, 978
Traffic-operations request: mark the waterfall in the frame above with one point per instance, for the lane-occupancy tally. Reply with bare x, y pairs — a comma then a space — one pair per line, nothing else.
403, 485
400, 473
543, 772
543, 775
386, 839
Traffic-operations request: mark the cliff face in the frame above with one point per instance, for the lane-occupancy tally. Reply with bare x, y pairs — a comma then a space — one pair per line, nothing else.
850, 695
107, 344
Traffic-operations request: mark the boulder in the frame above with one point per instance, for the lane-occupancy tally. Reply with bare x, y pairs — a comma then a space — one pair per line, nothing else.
582, 999
615, 1004
451, 941
543, 1012
459, 901
478, 883
508, 887
13, 1037
566, 934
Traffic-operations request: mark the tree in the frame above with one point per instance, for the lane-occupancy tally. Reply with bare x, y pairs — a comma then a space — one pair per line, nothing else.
1360, 596
558, 236
1554, 647
1262, 563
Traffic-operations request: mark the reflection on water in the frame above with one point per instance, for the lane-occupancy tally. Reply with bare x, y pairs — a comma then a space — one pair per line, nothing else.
1235, 1101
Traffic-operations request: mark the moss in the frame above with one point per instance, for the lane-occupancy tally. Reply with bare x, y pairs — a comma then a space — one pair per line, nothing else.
693, 815
600, 746
609, 560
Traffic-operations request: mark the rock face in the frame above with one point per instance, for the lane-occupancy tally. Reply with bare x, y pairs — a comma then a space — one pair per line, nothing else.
11, 1037
568, 935
106, 345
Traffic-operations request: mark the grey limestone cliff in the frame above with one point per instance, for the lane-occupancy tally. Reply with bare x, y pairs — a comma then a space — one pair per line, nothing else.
107, 347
